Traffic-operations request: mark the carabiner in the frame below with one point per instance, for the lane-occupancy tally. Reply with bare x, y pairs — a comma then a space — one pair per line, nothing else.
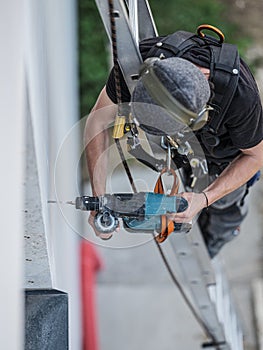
211, 28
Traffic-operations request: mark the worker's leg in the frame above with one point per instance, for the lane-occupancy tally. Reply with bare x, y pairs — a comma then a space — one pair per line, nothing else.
220, 223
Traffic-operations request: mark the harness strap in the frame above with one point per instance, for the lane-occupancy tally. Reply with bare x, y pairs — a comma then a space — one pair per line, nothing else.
171, 45
167, 226
225, 75
145, 158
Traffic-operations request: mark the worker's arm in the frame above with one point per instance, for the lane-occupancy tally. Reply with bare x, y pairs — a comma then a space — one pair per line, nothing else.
96, 140
235, 175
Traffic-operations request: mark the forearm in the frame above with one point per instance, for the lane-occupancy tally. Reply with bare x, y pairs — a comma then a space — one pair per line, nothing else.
235, 175
96, 140
96, 150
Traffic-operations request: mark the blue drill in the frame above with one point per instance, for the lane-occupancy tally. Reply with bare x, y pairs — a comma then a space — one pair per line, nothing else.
140, 212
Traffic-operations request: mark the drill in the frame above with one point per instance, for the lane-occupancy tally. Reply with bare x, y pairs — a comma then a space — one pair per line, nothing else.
140, 212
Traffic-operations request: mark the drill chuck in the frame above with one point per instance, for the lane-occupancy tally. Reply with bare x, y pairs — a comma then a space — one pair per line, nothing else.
88, 203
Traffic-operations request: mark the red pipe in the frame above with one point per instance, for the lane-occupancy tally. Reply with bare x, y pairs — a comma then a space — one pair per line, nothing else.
90, 265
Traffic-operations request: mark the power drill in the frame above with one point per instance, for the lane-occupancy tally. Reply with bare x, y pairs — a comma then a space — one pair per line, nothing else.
140, 212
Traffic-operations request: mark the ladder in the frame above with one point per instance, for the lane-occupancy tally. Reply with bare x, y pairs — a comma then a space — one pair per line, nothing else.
204, 279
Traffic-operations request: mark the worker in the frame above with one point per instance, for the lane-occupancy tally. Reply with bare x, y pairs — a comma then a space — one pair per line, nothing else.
234, 156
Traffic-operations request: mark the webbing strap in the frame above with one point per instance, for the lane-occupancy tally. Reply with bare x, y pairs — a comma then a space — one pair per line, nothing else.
225, 75
167, 226
171, 45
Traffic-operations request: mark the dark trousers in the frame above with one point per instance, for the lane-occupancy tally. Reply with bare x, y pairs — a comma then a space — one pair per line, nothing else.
220, 223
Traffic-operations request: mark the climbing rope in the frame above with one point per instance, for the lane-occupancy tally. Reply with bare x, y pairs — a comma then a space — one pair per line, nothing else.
113, 14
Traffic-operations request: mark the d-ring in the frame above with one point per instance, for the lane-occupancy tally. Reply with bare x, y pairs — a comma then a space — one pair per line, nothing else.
213, 29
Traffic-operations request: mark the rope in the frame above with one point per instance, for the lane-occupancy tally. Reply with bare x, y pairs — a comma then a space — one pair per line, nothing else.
166, 229
125, 164
186, 299
116, 71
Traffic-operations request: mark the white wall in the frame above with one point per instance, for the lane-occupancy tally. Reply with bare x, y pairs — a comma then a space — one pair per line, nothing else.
12, 152
51, 75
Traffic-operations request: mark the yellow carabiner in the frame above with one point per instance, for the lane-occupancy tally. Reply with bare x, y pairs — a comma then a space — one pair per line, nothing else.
118, 130
211, 28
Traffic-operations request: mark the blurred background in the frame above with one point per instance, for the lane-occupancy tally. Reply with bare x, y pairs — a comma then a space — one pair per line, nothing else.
175, 15
58, 290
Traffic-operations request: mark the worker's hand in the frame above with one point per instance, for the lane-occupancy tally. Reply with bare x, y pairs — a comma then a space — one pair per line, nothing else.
196, 202
104, 236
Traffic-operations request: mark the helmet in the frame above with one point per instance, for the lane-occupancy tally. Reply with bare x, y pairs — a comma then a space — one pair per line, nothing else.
171, 94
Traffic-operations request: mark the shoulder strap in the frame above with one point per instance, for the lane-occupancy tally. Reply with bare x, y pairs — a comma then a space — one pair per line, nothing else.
171, 45
224, 74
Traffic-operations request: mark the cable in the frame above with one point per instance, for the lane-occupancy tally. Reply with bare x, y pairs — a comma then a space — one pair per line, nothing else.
125, 164
178, 285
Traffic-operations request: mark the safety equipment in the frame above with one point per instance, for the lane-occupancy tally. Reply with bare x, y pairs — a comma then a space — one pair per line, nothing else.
179, 87
208, 51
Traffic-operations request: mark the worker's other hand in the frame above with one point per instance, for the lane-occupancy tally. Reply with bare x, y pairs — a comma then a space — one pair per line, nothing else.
196, 202
104, 236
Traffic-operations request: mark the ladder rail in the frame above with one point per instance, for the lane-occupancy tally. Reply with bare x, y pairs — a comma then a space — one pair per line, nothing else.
126, 45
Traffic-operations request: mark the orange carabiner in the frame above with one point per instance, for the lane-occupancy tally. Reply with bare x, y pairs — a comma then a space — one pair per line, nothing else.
211, 28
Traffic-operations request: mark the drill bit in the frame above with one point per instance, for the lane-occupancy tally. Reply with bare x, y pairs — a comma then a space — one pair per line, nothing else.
62, 202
